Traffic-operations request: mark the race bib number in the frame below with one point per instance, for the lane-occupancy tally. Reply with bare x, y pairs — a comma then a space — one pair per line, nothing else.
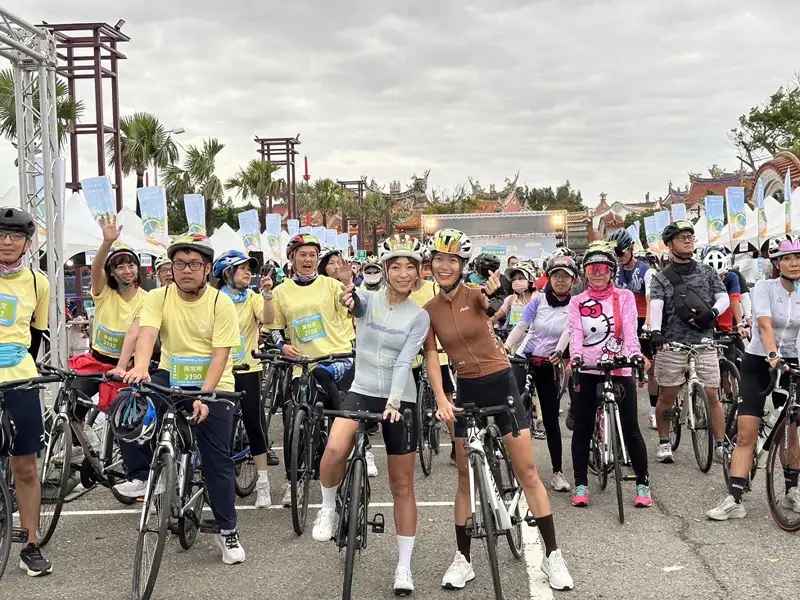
241, 351
109, 341
309, 329
515, 315
8, 309
188, 371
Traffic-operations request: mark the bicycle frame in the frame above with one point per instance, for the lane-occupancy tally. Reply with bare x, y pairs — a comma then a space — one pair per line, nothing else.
610, 407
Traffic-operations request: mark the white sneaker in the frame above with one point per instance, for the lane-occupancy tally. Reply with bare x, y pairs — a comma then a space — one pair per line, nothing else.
232, 551
76, 457
287, 496
403, 583
653, 421
719, 454
727, 509
263, 497
556, 570
325, 524
458, 573
664, 454
131, 489
372, 470
791, 501
558, 483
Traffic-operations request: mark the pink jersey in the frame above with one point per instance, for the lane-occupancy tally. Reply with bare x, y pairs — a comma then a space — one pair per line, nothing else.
597, 333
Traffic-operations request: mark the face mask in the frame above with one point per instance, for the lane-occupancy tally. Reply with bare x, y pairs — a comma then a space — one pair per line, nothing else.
371, 278
520, 286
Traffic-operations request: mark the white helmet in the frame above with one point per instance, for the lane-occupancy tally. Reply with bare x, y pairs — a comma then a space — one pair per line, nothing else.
451, 241
161, 261
717, 259
400, 245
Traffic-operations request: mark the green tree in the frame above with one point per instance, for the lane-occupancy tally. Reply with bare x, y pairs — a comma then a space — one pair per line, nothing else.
144, 143
563, 198
196, 176
632, 218
304, 200
328, 199
256, 181
68, 111
771, 128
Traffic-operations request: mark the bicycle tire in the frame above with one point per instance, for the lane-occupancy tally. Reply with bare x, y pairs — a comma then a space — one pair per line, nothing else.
245, 466
164, 464
424, 447
774, 470
47, 527
6, 523
507, 485
731, 398
704, 456
354, 520
300, 470
489, 531
676, 421
188, 524
614, 442
434, 426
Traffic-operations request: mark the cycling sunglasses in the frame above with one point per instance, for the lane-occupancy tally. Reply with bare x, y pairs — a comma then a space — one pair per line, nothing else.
598, 269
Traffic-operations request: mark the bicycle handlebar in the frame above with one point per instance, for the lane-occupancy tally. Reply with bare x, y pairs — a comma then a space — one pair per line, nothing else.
470, 412
607, 366
364, 416
705, 344
174, 391
304, 360
774, 372
64, 374
30, 383
239, 368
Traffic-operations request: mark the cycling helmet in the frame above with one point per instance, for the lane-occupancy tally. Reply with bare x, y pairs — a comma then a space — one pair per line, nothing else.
324, 258
772, 244
526, 271
787, 245
372, 262
400, 245
562, 263
162, 261
121, 250
599, 253
622, 239
673, 230
486, 264
230, 260
451, 241
194, 242
562, 251
717, 258
14, 219
301, 239
133, 417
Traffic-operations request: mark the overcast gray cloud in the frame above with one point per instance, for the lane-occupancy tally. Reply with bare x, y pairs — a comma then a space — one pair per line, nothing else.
617, 96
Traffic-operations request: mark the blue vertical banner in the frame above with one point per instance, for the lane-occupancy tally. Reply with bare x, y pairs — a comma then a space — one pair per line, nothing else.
762, 215
292, 227
679, 212
341, 242
249, 229
273, 233
662, 218
306, 230
652, 234
153, 206
330, 238
99, 196
737, 216
634, 231
319, 233
194, 205
354, 243
787, 199
715, 217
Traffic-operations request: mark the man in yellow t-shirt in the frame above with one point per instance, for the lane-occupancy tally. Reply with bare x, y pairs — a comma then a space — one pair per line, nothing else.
199, 329
24, 307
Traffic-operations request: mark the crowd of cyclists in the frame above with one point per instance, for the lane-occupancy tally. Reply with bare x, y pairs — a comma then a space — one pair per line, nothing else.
435, 307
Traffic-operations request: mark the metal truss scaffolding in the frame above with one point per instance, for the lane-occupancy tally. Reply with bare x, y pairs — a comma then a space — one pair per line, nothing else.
32, 52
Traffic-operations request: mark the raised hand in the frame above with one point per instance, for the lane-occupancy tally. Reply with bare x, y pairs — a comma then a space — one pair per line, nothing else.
108, 225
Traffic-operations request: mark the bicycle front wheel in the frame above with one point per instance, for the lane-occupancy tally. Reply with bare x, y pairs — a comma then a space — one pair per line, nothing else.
489, 529
56, 470
154, 526
675, 422
245, 466
729, 386
503, 473
702, 434
424, 446
301, 470
6, 522
354, 516
783, 465
614, 446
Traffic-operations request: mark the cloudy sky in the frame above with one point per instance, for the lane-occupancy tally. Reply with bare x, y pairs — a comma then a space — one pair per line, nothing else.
618, 96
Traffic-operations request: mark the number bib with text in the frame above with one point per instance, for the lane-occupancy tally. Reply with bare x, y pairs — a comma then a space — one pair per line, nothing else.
309, 329
515, 314
241, 351
8, 309
109, 341
188, 371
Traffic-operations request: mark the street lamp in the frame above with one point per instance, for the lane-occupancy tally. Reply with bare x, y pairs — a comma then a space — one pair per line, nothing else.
428, 226
169, 132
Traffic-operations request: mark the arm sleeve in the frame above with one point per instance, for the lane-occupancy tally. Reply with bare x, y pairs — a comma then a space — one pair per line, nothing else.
226, 325
648, 280
361, 306
506, 306
417, 333
656, 313
747, 307
529, 314
732, 283
517, 334
762, 302
575, 328
152, 310
630, 324
41, 311
563, 341
721, 302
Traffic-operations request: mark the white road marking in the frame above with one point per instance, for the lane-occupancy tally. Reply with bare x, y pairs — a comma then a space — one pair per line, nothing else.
373, 445
533, 553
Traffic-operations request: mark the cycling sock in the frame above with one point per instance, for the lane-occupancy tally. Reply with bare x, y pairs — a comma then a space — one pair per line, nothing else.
663, 440
547, 530
738, 484
653, 403
262, 477
328, 496
463, 541
405, 546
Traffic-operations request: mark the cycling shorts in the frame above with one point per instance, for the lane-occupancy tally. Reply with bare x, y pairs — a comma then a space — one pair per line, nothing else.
394, 434
491, 390
670, 368
755, 379
25, 410
447, 378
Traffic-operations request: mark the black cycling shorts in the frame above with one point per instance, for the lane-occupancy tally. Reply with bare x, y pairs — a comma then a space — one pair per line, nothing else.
394, 434
755, 377
25, 410
644, 342
447, 378
491, 390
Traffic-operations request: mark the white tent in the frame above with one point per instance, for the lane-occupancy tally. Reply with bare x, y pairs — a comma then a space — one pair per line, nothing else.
133, 235
225, 238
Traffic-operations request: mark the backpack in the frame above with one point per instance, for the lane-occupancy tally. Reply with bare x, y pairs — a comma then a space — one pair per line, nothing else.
688, 304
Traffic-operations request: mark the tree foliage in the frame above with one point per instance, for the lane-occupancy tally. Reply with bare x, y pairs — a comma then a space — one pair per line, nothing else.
256, 181
562, 198
460, 200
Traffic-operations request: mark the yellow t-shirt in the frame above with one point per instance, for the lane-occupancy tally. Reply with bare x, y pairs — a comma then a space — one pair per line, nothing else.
18, 305
189, 331
249, 313
112, 318
315, 321
421, 297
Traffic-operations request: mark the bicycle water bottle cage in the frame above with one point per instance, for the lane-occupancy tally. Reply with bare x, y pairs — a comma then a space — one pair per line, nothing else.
185, 441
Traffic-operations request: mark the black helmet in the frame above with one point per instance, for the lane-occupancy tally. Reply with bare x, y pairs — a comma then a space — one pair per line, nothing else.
622, 239
14, 219
673, 230
485, 264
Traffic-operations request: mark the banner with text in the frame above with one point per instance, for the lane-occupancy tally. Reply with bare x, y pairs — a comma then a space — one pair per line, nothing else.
319, 233
762, 215
273, 231
652, 234
737, 216
678, 212
249, 230
194, 205
153, 206
99, 196
330, 238
292, 227
715, 217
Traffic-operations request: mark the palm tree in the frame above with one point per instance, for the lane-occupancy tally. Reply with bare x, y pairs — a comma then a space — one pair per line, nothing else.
255, 181
144, 142
328, 198
304, 199
373, 213
197, 176
69, 111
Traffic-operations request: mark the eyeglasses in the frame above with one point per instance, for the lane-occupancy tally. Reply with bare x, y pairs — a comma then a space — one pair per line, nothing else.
685, 238
560, 275
598, 269
14, 236
195, 265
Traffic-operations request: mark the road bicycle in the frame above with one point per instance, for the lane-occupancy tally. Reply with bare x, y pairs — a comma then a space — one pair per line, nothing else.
353, 494
730, 379
428, 426
245, 466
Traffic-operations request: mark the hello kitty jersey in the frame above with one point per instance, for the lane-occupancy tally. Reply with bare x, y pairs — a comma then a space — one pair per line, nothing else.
597, 333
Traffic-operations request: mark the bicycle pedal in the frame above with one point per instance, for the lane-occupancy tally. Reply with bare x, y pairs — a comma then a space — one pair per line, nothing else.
378, 523
209, 526
19, 536
469, 529
530, 520
629, 477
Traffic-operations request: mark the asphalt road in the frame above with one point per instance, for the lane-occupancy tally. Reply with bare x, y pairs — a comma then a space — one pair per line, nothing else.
669, 550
